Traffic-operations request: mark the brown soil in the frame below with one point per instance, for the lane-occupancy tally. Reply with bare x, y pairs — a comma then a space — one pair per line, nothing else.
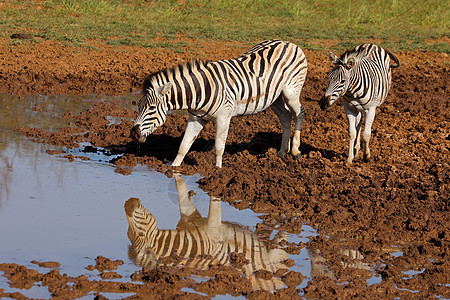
398, 199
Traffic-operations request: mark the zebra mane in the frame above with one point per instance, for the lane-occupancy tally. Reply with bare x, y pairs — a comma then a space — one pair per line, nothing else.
152, 80
364, 50
367, 50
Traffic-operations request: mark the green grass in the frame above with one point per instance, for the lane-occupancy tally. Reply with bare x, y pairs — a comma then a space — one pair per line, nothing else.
401, 24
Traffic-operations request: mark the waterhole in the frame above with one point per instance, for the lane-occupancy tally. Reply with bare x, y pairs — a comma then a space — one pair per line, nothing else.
53, 209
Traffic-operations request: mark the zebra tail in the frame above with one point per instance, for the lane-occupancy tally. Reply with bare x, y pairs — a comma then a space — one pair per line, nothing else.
394, 58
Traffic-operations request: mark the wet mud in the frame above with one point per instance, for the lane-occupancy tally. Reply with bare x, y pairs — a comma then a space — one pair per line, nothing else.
389, 215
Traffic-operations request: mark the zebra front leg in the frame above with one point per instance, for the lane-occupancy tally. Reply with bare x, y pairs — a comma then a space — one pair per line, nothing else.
285, 117
222, 126
194, 126
367, 132
358, 133
351, 118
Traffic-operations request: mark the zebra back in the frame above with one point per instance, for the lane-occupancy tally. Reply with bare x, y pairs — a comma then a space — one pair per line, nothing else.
255, 79
371, 52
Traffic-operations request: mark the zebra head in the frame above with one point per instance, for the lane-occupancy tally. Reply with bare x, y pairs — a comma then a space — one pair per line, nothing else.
141, 232
338, 80
152, 112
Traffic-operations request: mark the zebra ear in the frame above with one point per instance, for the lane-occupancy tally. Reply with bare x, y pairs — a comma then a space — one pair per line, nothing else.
350, 63
333, 58
164, 89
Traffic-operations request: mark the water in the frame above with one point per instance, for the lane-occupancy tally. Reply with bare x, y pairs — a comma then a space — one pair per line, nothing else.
71, 212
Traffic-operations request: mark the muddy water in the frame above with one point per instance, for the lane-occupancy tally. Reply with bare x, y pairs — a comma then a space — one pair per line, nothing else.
70, 212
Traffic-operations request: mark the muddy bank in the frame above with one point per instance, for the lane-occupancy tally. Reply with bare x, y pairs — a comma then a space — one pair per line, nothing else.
36, 66
398, 200
160, 282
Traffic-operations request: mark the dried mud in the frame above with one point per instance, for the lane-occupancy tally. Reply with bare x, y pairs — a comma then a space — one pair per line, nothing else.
398, 201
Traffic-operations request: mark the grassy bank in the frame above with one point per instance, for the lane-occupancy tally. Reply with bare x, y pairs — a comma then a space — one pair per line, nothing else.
398, 24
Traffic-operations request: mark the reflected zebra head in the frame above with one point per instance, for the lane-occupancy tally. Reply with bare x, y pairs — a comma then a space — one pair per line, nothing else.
152, 111
338, 80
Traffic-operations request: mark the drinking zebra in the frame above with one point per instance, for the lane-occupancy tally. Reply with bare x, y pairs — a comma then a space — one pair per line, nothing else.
271, 74
200, 242
362, 76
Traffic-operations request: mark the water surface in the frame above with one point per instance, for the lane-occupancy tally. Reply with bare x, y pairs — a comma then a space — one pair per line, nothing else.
52, 209
71, 212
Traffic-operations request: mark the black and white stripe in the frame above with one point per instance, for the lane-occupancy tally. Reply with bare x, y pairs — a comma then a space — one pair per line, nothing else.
271, 74
200, 243
362, 77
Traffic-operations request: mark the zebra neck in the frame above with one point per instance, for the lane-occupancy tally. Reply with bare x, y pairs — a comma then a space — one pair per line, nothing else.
183, 101
144, 237
354, 83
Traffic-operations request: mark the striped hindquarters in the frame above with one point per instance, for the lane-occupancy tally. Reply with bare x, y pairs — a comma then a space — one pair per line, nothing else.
257, 254
265, 71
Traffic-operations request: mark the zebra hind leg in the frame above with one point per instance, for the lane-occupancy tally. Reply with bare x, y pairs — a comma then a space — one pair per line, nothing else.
296, 138
291, 98
354, 126
222, 126
285, 117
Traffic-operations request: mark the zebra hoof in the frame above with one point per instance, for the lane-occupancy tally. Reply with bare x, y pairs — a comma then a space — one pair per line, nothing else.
281, 155
298, 156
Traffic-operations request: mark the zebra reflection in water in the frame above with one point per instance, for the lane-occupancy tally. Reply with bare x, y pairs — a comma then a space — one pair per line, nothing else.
200, 242
349, 258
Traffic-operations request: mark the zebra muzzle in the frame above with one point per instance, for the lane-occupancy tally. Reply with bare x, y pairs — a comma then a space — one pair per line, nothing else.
136, 134
325, 102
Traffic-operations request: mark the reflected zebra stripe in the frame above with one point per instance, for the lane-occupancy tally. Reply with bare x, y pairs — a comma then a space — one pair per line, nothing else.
200, 243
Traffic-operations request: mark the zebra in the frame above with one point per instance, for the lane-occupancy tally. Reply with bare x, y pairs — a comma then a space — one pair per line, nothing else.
271, 74
362, 76
349, 258
200, 242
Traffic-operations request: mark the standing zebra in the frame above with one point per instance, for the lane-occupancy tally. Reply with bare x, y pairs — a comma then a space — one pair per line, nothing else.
271, 74
200, 242
363, 77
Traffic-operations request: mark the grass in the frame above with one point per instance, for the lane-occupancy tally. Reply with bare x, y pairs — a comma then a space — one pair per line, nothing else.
401, 24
